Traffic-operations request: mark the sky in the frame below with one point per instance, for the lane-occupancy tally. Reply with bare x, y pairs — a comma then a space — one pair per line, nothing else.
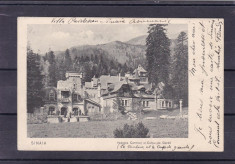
44, 37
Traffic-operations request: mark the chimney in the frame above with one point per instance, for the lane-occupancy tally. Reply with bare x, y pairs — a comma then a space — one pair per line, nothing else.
119, 76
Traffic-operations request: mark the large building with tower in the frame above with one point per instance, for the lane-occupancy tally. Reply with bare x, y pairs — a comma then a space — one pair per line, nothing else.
74, 101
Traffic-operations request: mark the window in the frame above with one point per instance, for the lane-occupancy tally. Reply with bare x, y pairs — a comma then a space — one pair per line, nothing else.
79, 98
147, 103
125, 102
75, 97
63, 111
122, 102
65, 94
75, 111
169, 104
162, 103
143, 103
51, 110
51, 95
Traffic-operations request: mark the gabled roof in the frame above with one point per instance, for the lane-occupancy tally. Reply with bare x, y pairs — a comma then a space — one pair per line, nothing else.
139, 69
135, 76
118, 85
115, 87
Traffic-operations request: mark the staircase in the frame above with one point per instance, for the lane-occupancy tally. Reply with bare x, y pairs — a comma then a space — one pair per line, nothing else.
131, 116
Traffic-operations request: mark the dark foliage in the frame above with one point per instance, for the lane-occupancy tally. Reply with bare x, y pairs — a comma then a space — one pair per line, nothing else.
157, 54
132, 131
180, 68
117, 105
34, 82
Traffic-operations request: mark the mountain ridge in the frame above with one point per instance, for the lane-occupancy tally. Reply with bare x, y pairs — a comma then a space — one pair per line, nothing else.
122, 52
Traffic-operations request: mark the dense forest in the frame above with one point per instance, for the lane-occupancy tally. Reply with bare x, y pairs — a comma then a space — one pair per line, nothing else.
54, 68
168, 65
164, 59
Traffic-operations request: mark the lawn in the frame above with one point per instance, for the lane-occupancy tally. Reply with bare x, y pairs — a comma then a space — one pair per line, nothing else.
159, 128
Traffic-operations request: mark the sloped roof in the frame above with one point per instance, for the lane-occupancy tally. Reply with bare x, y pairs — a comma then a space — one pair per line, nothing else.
93, 102
140, 87
137, 87
109, 96
145, 96
139, 69
115, 87
148, 87
118, 85
105, 79
134, 87
135, 77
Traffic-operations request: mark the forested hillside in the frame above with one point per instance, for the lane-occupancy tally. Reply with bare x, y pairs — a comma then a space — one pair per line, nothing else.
165, 61
132, 55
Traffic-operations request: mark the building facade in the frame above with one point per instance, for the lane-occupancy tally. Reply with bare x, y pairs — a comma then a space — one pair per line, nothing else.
73, 100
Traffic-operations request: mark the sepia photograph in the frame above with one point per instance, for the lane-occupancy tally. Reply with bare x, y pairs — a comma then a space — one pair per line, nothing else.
107, 81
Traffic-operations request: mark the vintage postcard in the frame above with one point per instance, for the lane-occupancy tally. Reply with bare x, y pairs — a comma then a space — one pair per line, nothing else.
120, 84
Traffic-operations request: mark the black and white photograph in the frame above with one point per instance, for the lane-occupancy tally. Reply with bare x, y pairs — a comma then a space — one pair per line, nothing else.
120, 84
107, 81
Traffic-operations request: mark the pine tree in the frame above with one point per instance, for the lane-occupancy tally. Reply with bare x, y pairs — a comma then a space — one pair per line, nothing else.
61, 70
94, 71
87, 73
67, 61
92, 57
124, 69
157, 53
180, 68
96, 59
34, 82
52, 69
87, 59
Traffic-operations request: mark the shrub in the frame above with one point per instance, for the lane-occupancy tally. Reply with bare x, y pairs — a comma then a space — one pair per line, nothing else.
132, 131
37, 117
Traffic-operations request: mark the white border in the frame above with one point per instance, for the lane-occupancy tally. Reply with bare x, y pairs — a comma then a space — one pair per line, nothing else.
194, 142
